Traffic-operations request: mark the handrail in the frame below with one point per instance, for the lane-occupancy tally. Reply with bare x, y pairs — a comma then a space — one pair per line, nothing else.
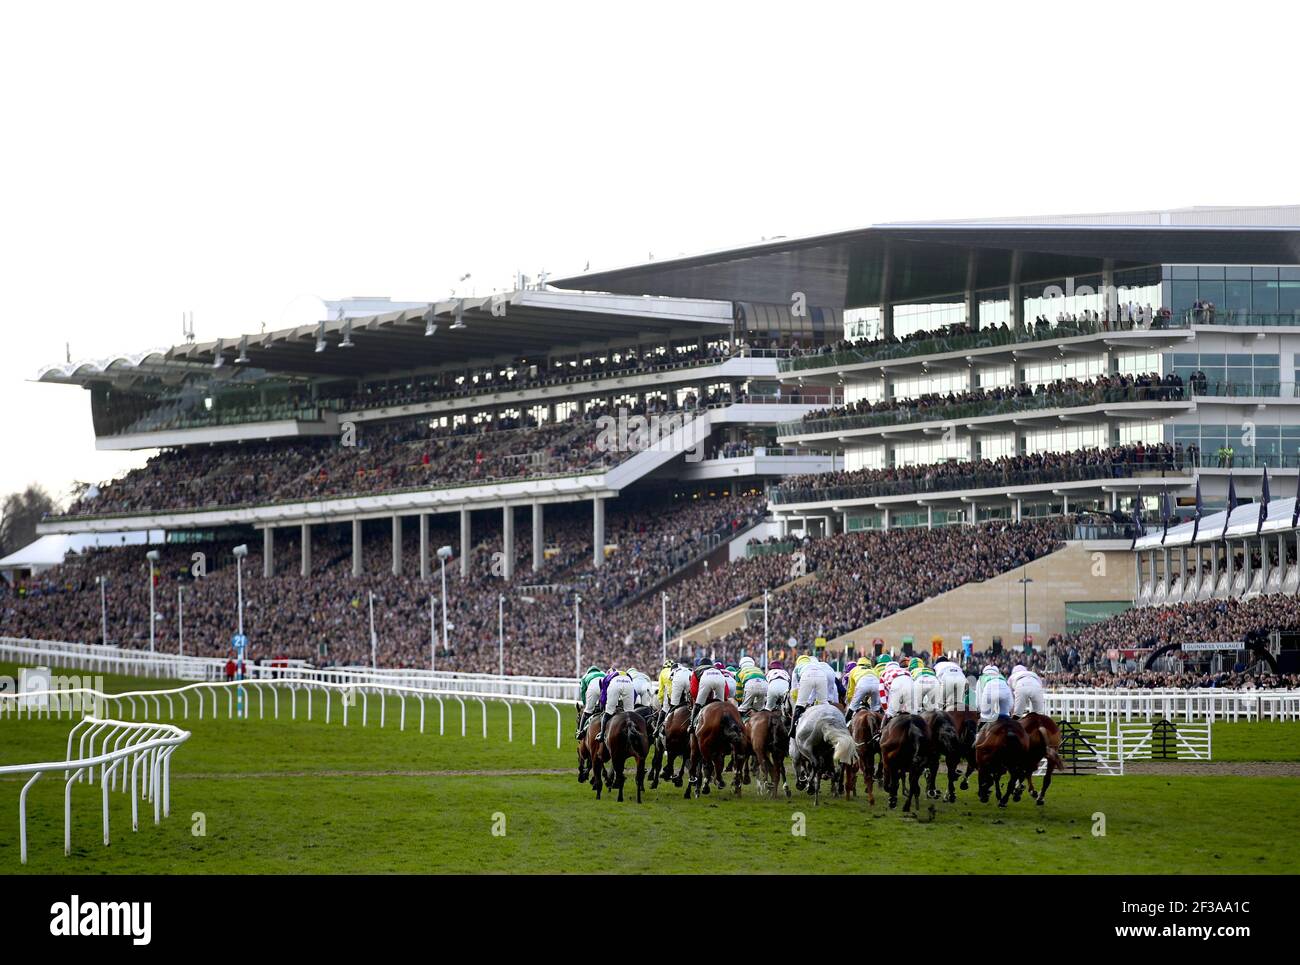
134, 743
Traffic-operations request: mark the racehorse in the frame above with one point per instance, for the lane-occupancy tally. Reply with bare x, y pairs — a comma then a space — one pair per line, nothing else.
865, 730
717, 728
586, 757
626, 736
769, 741
1044, 741
822, 745
945, 747
1002, 747
904, 745
674, 742
967, 724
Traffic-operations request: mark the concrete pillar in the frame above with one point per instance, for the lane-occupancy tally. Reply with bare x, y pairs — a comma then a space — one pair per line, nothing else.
424, 546
929, 516
1263, 563
306, 549
1114, 500
598, 532
1020, 509
464, 543
886, 294
884, 520
1013, 294
539, 540
356, 547
972, 302
1229, 565
1065, 504
1108, 289
1137, 576
397, 545
507, 542
1214, 566
268, 552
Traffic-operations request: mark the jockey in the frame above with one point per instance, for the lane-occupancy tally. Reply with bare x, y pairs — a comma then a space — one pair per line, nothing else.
952, 685
588, 696
995, 695
900, 689
864, 690
707, 682
855, 674
799, 665
752, 687
834, 686
813, 688
641, 695
620, 694
929, 693
733, 682
778, 686
665, 682
1026, 691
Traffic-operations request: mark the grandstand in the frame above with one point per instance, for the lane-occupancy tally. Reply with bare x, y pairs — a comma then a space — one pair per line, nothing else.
808, 439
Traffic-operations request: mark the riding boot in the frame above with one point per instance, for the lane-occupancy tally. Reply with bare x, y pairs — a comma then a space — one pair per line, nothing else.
582, 724
604, 724
794, 724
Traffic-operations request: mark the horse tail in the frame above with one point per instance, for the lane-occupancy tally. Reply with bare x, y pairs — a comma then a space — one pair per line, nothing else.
731, 730
846, 748
1054, 758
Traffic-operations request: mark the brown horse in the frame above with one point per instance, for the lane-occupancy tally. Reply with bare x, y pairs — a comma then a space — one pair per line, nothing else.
674, 743
945, 747
717, 730
865, 728
1044, 742
904, 744
627, 736
586, 744
769, 741
967, 724
1002, 747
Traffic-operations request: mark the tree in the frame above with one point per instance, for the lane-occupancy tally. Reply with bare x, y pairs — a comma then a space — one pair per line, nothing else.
19, 514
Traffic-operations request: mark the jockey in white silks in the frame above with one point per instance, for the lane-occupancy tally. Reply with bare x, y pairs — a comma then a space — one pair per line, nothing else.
952, 685
813, 684
778, 686
995, 695
1026, 691
928, 691
642, 695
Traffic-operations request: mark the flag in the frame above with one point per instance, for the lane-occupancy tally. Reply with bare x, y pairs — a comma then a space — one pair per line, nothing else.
1263, 503
1139, 528
1165, 513
1200, 510
1232, 504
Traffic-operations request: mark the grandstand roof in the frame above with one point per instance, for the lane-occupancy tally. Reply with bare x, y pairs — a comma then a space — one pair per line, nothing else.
520, 323
1244, 522
929, 259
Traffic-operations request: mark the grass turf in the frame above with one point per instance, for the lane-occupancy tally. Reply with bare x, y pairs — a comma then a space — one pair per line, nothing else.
281, 796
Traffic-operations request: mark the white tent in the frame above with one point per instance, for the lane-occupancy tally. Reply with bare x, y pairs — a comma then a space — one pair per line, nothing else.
47, 551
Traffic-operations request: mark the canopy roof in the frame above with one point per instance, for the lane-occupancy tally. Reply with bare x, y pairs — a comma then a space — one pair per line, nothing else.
929, 261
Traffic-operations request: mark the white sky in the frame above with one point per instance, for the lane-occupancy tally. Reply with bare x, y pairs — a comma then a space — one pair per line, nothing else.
235, 159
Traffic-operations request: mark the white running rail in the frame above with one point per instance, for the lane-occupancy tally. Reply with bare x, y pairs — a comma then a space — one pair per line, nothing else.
137, 752
203, 698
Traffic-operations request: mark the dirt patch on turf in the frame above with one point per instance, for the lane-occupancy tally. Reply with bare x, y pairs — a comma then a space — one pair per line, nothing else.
264, 775
1214, 768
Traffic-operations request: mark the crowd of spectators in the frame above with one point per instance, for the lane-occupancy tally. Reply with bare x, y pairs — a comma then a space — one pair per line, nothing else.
380, 457
1115, 387
1116, 461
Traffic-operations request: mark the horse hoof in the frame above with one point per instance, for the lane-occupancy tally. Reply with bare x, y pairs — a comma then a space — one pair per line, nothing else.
1002, 804
1040, 802
950, 797
965, 785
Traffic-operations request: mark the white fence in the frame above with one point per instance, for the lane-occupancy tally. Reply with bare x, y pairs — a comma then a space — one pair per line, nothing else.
1082, 704
205, 698
137, 752
97, 659
1186, 704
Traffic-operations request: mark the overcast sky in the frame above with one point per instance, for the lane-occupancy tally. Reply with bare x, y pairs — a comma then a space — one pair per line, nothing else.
240, 160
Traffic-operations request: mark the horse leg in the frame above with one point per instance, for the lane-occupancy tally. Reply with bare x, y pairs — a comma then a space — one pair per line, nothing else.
1047, 780
597, 772
640, 778
656, 764
931, 778
952, 778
